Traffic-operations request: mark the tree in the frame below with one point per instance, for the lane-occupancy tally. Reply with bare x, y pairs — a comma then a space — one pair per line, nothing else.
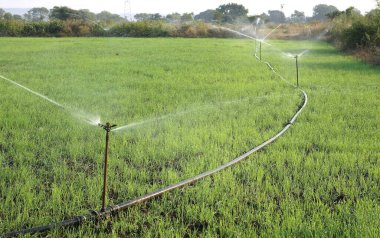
253, 19
174, 17
156, 16
86, 15
298, 16
320, 11
264, 18
2, 13
108, 18
206, 16
37, 14
7, 16
64, 13
352, 11
230, 12
334, 15
349, 13
276, 16
187, 17
147, 17
17, 17
142, 16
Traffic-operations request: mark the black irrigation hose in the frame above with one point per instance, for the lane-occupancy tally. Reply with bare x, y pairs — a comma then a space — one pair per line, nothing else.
95, 215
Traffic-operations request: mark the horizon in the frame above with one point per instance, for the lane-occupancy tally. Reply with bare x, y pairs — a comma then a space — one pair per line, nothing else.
145, 6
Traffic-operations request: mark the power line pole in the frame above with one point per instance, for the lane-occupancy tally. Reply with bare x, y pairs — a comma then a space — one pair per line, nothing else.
127, 10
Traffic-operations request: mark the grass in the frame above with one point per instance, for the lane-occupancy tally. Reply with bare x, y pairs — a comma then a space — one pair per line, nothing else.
320, 179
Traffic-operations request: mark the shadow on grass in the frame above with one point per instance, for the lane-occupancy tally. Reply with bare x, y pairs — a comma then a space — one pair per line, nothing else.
334, 60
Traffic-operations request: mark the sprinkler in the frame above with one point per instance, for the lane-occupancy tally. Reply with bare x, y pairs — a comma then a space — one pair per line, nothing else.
107, 127
259, 49
296, 57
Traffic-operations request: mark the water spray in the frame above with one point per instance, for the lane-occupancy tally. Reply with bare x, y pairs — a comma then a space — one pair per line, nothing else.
89, 119
270, 33
107, 127
33, 92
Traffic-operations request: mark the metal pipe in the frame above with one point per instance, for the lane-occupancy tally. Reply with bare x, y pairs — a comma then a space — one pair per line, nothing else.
105, 173
256, 52
297, 69
107, 127
260, 50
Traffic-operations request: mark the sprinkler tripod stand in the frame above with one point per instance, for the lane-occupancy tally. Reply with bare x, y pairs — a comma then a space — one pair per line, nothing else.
107, 127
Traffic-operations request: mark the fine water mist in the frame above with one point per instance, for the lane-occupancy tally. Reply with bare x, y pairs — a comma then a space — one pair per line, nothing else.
263, 40
205, 107
93, 120
235, 32
85, 117
271, 32
293, 55
33, 92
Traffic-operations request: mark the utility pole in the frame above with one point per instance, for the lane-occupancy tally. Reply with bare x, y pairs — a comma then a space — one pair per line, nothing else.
127, 10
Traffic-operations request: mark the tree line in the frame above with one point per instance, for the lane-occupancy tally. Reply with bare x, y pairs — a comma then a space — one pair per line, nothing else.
351, 29
64, 21
61, 13
227, 13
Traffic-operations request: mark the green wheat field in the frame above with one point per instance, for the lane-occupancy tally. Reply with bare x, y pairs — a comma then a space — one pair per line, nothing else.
185, 106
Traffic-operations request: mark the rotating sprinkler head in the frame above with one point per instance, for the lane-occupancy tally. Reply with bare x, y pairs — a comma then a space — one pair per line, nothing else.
107, 127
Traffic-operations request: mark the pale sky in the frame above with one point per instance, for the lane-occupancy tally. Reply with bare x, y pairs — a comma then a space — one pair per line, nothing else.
181, 6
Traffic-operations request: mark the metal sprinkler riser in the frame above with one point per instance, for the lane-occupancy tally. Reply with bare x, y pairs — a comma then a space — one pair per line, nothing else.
107, 127
296, 57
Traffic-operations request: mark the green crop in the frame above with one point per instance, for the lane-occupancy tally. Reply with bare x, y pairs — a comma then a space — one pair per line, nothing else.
192, 105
